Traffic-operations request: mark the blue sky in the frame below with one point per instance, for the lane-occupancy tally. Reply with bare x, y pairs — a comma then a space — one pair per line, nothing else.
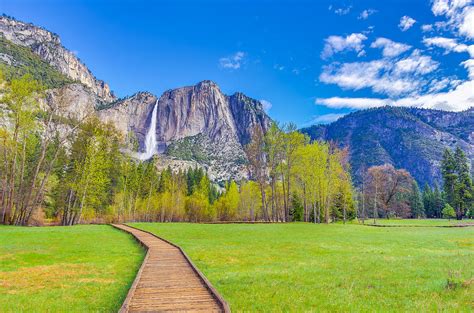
313, 61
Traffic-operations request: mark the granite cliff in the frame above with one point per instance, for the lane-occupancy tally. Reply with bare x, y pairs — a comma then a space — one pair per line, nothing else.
196, 125
48, 47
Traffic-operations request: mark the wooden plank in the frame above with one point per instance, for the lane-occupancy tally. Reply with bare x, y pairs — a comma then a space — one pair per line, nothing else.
168, 281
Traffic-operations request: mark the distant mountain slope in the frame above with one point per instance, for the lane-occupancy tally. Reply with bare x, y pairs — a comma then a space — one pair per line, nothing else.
48, 47
408, 138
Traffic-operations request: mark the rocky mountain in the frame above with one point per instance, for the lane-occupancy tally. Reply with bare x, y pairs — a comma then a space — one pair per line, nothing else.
195, 123
408, 138
48, 47
195, 126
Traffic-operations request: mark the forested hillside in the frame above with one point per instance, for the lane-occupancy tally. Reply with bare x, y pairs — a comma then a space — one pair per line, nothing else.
409, 138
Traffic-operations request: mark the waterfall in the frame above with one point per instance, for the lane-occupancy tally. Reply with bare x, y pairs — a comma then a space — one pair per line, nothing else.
151, 145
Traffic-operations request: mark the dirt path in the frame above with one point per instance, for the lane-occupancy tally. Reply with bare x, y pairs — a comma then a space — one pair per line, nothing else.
168, 281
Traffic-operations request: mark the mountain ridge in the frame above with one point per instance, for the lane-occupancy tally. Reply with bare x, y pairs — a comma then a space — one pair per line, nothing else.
409, 138
48, 46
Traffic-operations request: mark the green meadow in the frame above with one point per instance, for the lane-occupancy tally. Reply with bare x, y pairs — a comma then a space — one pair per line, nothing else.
306, 267
66, 269
260, 267
419, 222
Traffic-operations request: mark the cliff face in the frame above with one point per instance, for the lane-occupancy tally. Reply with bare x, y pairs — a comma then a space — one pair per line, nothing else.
195, 123
408, 138
48, 46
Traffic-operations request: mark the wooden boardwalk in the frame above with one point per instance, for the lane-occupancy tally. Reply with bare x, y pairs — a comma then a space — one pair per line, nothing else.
168, 280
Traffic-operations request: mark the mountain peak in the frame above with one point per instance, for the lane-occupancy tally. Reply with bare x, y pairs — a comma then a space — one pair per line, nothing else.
48, 47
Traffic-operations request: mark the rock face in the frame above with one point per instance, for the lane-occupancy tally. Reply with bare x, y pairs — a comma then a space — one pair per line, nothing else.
408, 138
195, 123
48, 46
75, 101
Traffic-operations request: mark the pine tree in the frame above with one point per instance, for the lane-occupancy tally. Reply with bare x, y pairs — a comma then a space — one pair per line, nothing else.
463, 197
438, 202
448, 169
428, 201
416, 201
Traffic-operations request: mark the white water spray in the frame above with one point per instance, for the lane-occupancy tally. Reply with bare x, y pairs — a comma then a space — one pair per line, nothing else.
151, 145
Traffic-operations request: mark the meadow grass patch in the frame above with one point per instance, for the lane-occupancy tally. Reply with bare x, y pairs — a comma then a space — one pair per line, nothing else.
66, 269
303, 267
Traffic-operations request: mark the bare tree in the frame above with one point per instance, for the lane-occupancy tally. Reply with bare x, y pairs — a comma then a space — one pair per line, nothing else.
257, 165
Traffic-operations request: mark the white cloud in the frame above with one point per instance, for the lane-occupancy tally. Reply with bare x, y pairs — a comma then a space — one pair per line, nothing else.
437, 85
406, 23
427, 27
385, 76
469, 65
335, 44
460, 15
448, 7
466, 27
459, 99
353, 103
366, 13
449, 45
412, 81
326, 118
232, 62
390, 48
267, 105
416, 63
278, 67
343, 11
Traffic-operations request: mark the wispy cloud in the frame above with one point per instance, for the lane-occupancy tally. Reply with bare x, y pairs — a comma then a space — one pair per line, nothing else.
427, 27
406, 23
278, 67
335, 44
458, 99
267, 105
366, 13
412, 80
459, 14
232, 62
449, 45
390, 48
341, 10
397, 77
326, 118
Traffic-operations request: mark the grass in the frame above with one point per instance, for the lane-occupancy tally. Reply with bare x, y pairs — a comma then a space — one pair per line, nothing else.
66, 269
305, 267
419, 222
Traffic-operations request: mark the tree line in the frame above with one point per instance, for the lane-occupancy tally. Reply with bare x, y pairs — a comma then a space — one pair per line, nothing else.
71, 170
299, 180
387, 192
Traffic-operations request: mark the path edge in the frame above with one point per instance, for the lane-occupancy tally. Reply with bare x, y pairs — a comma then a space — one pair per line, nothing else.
133, 287
222, 303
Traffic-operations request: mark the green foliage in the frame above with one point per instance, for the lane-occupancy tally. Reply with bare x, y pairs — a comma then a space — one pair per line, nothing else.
227, 204
189, 148
297, 209
24, 61
448, 211
433, 201
416, 201
458, 185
